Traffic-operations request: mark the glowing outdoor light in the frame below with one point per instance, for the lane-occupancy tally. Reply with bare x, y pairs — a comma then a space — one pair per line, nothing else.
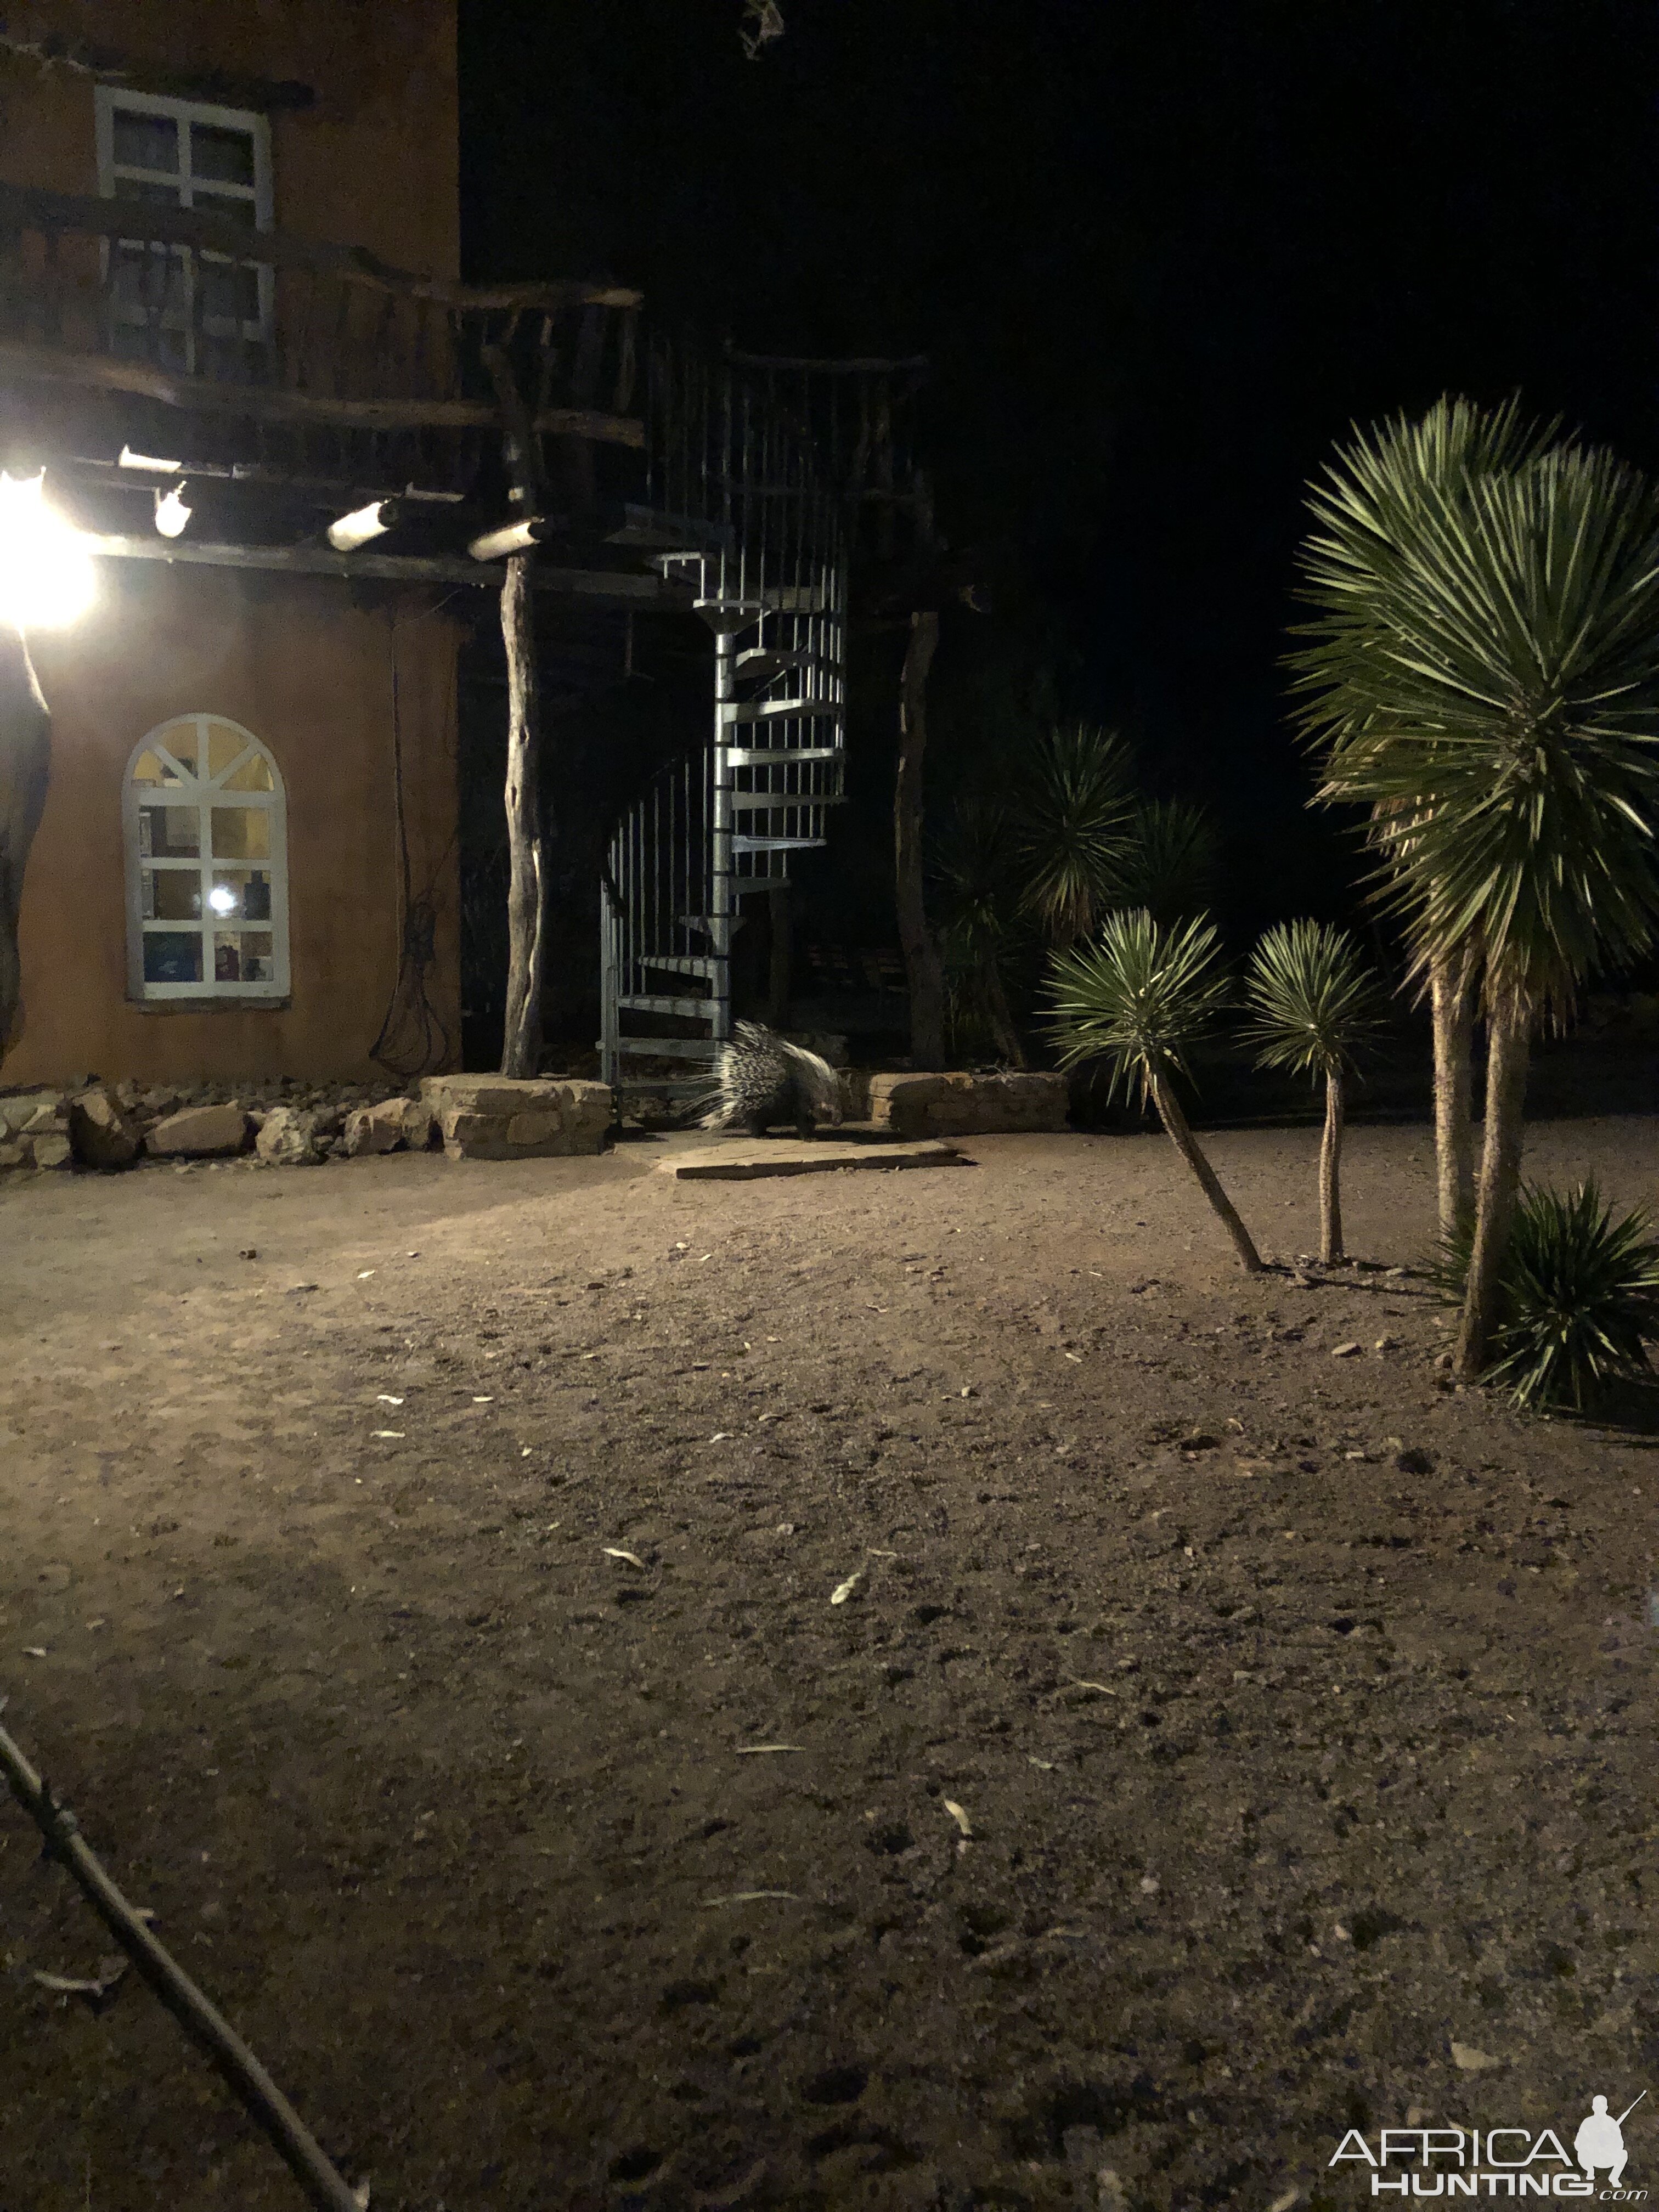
222, 899
46, 578
170, 513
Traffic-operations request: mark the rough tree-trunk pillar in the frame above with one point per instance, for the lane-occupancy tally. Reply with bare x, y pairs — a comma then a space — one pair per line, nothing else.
923, 969
526, 897
25, 766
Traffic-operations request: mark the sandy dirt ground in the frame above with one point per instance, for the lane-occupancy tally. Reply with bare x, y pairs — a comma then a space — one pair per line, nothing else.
421, 1580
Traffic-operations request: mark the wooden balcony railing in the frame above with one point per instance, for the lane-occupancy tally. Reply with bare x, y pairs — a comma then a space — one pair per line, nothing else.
251, 335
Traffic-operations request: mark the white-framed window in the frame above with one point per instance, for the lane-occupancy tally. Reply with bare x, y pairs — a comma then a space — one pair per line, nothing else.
205, 829
197, 311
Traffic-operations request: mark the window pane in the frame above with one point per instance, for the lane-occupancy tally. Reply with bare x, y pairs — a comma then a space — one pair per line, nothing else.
180, 740
147, 142
147, 280
228, 292
254, 775
224, 746
173, 956
152, 768
173, 894
241, 892
243, 956
242, 833
234, 206
225, 155
169, 832
159, 194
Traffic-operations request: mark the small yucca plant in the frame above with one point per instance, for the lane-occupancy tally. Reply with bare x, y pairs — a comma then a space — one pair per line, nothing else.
1313, 1002
1137, 999
1173, 858
1577, 1296
976, 902
1072, 824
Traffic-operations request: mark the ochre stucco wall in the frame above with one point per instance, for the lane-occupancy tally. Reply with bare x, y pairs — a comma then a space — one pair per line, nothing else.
309, 674
375, 162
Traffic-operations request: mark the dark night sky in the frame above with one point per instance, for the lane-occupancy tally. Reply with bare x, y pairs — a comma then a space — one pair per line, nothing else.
1160, 252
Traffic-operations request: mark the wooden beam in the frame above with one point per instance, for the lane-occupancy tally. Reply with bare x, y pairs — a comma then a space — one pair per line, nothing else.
619, 588
264, 402
223, 88
30, 206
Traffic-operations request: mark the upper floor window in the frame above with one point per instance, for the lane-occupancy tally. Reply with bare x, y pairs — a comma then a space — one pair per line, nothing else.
207, 876
197, 311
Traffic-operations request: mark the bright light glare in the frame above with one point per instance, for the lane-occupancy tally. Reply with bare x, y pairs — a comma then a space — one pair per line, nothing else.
222, 899
171, 514
47, 576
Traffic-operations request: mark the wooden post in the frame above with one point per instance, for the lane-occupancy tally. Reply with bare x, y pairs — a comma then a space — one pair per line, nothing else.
25, 764
527, 897
923, 969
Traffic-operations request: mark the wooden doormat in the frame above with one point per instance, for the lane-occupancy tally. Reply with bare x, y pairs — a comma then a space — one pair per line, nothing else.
747, 1161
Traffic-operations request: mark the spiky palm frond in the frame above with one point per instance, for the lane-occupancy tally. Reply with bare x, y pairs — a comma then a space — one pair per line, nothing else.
1072, 828
1484, 675
1579, 1297
975, 872
1138, 997
1172, 860
1312, 1001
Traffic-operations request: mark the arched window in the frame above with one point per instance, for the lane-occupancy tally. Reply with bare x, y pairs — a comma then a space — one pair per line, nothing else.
207, 876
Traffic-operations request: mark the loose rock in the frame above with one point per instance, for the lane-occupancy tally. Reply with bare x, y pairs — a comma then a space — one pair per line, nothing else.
199, 1131
102, 1132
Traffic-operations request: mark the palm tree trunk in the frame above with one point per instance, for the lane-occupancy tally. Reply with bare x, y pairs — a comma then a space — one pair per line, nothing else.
1330, 1172
924, 971
1509, 1037
1175, 1125
1451, 977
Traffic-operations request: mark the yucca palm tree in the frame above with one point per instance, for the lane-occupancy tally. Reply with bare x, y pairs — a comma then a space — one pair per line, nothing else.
1138, 998
1313, 1002
1172, 860
1071, 829
1366, 506
977, 900
1497, 709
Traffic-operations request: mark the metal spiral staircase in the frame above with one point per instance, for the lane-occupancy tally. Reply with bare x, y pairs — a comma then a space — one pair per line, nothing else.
761, 543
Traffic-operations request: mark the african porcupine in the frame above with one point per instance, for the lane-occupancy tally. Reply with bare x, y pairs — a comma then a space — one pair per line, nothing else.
764, 1079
